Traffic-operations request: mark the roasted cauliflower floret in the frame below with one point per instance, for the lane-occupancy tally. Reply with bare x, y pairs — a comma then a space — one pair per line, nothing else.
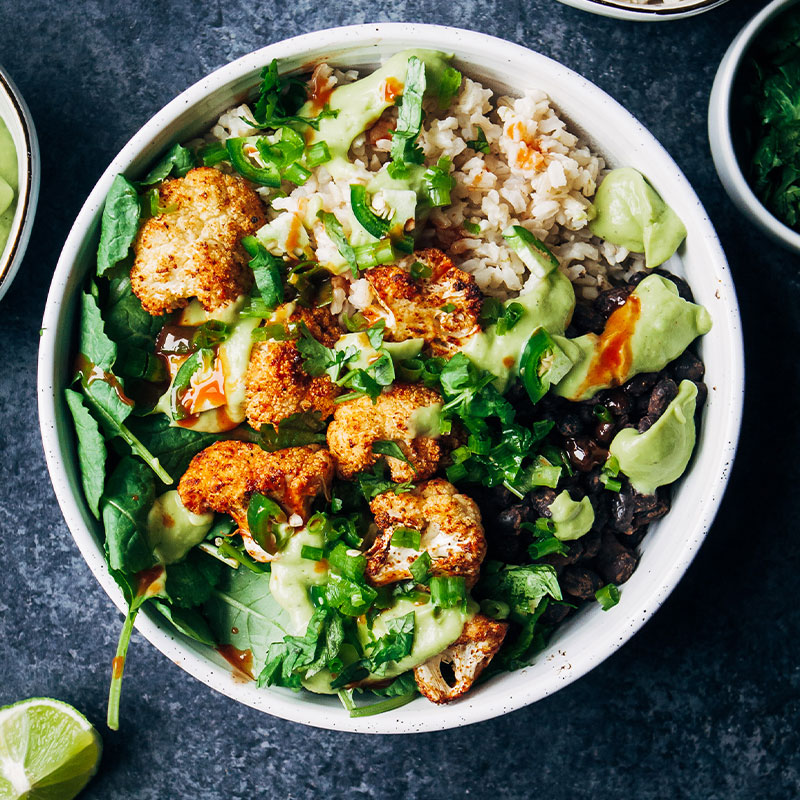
224, 477
278, 386
468, 656
443, 309
395, 415
194, 249
450, 528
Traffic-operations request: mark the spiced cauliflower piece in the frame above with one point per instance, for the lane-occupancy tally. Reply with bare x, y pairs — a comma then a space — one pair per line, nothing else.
450, 529
443, 308
276, 383
194, 248
468, 656
358, 424
225, 476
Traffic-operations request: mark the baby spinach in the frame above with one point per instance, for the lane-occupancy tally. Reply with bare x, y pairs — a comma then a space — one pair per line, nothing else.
191, 581
186, 620
127, 500
177, 161
91, 450
119, 225
296, 430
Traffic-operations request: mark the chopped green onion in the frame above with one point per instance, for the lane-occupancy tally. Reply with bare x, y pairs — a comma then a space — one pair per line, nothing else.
611, 466
449, 591
383, 705
607, 596
211, 334
334, 230
226, 549
448, 308
612, 484
479, 143
513, 314
533, 252
471, 227
609, 473
373, 224
355, 323
420, 568
495, 609
418, 271
311, 553
283, 152
318, 153
297, 174
274, 332
410, 370
370, 255
602, 413
457, 472
200, 361
406, 537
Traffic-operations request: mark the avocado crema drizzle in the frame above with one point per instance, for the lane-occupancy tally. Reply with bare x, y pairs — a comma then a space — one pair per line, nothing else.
309, 618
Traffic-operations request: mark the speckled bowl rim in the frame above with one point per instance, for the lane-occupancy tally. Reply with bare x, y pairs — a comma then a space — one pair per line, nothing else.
720, 134
613, 9
671, 545
12, 253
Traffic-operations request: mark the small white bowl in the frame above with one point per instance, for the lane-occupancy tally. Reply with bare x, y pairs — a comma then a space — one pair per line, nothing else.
14, 112
720, 129
589, 637
663, 12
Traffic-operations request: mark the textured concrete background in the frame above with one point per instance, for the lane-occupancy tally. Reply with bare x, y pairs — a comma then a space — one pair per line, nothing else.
702, 703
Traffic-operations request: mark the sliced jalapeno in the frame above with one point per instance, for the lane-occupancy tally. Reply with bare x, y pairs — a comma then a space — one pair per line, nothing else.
266, 176
198, 361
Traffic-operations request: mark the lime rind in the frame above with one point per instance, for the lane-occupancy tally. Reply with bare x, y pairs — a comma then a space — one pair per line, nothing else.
48, 750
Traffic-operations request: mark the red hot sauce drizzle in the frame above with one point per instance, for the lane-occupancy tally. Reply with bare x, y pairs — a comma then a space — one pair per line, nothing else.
240, 660
612, 359
90, 373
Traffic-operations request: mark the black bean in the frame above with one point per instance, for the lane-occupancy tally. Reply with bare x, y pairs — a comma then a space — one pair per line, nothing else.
609, 301
649, 508
604, 431
579, 582
554, 613
683, 288
645, 423
617, 402
510, 519
702, 394
614, 561
591, 544
622, 510
640, 384
687, 367
585, 453
664, 392
539, 501
569, 425
586, 319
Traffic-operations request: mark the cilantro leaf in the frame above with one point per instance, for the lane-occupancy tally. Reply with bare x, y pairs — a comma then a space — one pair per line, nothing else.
391, 448
479, 144
296, 430
268, 270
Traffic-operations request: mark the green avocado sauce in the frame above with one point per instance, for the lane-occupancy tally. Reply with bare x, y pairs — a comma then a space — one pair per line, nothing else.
173, 530
659, 455
630, 213
665, 326
572, 519
549, 304
9, 183
361, 103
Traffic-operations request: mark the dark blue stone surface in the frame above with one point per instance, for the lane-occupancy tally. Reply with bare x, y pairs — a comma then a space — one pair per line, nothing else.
703, 702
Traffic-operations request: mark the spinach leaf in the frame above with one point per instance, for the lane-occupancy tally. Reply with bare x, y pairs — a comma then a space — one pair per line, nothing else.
174, 447
186, 620
268, 271
296, 430
402, 685
126, 322
191, 581
177, 161
103, 391
91, 450
125, 505
242, 612
521, 587
120, 224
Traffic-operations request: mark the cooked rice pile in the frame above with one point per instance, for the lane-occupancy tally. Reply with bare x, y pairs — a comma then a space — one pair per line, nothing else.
537, 174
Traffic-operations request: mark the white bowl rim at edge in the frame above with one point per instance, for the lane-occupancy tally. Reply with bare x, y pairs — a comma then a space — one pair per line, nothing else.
391, 37
719, 129
11, 257
642, 14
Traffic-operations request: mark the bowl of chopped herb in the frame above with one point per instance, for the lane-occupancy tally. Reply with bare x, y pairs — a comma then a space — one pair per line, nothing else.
752, 121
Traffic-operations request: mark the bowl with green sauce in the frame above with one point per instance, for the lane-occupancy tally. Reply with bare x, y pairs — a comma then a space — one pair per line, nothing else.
19, 179
752, 123
672, 543
645, 10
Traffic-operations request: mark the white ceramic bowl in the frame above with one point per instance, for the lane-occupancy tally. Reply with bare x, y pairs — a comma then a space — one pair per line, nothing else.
663, 12
670, 546
721, 107
14, 112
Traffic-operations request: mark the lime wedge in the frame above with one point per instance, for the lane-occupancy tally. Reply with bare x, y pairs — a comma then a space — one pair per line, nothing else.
48, 750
